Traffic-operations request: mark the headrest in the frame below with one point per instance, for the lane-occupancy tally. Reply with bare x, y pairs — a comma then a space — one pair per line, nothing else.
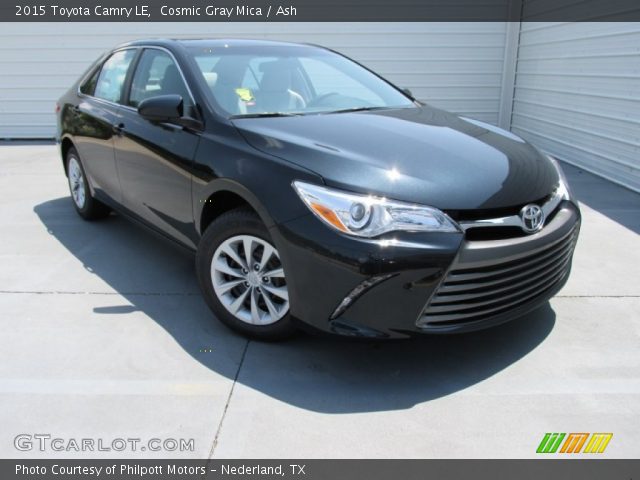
171, 76
276, 76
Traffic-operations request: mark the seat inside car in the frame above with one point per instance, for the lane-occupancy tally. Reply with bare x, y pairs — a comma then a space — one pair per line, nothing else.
276, 94
228, 78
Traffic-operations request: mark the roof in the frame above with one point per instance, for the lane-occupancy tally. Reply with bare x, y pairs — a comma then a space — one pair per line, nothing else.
214, 42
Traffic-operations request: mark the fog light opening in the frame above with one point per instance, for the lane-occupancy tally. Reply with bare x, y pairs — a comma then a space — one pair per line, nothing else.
358, 292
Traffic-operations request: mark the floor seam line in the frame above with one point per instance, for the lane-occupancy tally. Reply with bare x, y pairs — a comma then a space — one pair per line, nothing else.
597, 296
226, 405
192, 294
137, 294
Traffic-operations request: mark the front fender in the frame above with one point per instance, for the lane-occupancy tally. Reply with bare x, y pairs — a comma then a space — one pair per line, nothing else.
262, 180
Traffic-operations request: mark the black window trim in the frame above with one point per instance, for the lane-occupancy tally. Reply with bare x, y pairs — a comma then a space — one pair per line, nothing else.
131, 72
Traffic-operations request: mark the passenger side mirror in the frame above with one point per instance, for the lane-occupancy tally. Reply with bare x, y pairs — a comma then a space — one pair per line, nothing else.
408, 92
163, 108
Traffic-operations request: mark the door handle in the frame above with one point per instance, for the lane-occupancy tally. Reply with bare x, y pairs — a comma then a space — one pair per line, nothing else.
118, 129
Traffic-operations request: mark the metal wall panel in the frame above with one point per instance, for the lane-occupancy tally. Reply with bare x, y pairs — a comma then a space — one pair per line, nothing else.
455, 66
577, 95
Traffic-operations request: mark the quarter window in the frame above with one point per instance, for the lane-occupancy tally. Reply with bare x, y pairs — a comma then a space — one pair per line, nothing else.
112, 76
90, 85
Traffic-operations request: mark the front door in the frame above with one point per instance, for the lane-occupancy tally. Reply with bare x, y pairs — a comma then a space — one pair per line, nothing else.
154, 158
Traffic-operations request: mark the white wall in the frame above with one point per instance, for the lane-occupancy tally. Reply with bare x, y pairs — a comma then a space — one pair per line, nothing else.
577, 95
456, 66
572, 89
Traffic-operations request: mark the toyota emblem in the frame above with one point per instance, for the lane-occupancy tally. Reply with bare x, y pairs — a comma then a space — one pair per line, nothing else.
532, 218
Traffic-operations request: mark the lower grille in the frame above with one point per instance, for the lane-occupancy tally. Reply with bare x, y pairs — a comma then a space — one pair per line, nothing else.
471, 294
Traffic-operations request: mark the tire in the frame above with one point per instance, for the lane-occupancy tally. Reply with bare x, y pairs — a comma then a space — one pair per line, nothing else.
85, 204
250, 300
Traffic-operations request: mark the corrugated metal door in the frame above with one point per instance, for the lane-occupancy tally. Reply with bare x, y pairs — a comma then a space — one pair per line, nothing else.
456, 66
577, 95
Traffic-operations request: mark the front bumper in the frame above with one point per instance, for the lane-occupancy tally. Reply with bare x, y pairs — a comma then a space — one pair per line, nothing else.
420, 283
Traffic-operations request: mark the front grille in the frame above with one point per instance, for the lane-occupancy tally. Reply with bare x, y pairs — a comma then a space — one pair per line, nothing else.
471, 294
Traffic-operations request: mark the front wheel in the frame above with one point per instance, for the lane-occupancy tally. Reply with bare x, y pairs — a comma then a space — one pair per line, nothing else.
242, 278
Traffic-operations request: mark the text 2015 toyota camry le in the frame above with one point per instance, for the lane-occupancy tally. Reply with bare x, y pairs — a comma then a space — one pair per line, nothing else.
315, 192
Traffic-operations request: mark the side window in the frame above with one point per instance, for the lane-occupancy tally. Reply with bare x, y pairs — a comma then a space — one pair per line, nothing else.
111, 79
158, 74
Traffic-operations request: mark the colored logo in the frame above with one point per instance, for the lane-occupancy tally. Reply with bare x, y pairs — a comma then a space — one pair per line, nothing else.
573, 442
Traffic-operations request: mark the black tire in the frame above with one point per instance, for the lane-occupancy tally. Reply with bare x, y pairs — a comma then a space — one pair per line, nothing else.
242, 221
90, 209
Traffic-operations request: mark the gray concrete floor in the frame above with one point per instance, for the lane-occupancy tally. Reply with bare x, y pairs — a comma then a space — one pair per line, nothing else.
104, 335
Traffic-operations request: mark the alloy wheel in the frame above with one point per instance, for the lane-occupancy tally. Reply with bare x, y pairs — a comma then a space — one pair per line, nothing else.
76, 182
249, 281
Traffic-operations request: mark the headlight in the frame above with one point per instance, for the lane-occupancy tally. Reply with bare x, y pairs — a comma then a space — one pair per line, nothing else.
562, 190
368, 216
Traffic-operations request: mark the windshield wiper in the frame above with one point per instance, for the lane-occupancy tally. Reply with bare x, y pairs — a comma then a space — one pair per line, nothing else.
265, 115
297, 114
358, 109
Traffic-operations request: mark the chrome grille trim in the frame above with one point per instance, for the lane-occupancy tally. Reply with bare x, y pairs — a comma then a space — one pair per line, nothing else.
512, 220
469, 294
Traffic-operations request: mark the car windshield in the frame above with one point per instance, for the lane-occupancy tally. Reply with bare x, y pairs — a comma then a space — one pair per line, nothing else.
290, 80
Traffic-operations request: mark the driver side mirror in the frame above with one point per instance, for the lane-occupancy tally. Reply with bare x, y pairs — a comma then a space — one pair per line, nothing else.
408, 93
163, 108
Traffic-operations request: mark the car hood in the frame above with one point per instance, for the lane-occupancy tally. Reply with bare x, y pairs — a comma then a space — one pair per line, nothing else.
422, 155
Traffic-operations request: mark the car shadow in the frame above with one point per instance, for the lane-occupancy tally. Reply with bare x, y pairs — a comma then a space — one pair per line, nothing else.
322, 374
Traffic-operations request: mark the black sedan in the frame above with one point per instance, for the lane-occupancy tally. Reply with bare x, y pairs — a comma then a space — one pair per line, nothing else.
315, 193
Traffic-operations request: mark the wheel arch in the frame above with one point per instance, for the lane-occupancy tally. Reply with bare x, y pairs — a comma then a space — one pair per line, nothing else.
223, 195
66, 144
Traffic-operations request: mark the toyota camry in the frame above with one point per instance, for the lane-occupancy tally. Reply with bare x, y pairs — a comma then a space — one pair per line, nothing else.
314, 192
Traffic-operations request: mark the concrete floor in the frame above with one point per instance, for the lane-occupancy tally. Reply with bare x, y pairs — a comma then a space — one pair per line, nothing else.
105, 335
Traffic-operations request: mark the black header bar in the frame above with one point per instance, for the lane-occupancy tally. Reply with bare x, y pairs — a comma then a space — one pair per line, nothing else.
319, 10
547, 469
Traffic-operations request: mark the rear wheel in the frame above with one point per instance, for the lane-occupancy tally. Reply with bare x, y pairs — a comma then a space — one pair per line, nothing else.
86, 205
242, 278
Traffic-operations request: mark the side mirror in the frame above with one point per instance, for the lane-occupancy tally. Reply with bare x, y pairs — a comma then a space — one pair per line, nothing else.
163, 108
408, 93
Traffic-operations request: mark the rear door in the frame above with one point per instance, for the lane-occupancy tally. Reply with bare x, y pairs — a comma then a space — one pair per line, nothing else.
93, 119
154, 158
